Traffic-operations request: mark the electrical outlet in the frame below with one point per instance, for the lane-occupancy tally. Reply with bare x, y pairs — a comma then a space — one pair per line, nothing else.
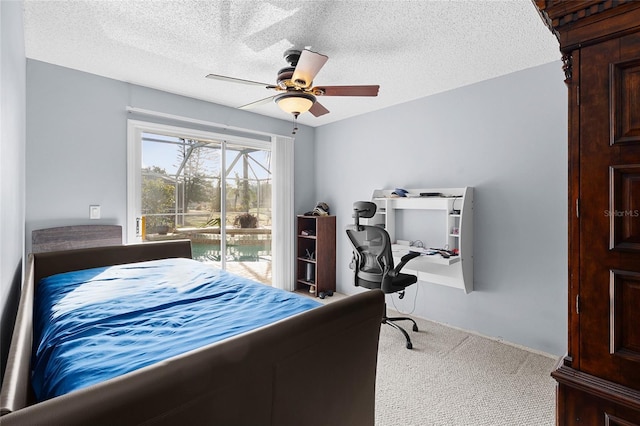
94, 212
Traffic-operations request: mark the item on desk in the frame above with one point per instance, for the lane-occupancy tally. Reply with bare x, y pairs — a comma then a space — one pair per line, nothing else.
416, 243
400, 192
431, 194
422, 250
453, 206
444, 252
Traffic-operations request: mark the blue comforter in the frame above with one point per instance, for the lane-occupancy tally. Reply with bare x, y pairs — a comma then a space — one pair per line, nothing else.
96, 324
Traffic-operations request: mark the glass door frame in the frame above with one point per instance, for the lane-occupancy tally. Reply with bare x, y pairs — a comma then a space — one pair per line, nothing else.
135, 129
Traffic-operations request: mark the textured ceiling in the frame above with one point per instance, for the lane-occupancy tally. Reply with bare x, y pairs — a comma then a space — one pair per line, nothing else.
411, 49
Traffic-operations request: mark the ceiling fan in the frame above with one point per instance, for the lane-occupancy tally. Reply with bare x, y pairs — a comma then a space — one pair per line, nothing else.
294, 84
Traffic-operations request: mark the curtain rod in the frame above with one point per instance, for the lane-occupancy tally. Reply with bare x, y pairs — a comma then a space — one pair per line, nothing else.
152, 113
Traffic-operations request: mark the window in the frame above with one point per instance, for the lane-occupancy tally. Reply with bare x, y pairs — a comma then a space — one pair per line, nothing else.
217, 190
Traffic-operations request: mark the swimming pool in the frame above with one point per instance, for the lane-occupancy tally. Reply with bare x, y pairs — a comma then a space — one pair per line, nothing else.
240, 253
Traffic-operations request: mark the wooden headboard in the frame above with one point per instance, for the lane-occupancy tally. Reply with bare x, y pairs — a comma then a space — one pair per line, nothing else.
75, 237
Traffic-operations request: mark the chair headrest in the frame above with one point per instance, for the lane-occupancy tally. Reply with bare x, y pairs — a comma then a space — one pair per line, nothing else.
364, 209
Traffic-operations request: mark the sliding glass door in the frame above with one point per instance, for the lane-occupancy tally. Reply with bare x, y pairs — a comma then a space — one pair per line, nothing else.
212, 189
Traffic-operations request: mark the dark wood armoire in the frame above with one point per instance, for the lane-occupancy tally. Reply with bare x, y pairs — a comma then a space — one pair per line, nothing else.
599, 378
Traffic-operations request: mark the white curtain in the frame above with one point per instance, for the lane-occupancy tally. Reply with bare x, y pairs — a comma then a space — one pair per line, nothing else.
283, 232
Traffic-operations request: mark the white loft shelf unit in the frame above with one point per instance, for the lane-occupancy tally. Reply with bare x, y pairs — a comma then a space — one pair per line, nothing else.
457, 231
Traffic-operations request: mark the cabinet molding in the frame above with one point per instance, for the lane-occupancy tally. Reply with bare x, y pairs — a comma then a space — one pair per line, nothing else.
593, 385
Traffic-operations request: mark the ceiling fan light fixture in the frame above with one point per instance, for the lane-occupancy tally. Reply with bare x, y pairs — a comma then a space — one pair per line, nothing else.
295, 103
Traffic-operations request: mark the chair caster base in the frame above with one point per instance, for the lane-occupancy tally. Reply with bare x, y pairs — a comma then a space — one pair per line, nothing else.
389, 321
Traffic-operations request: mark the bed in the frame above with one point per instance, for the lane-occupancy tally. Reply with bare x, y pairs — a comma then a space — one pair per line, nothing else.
312, 366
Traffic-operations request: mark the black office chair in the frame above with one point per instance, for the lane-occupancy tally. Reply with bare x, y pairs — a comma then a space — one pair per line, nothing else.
372, 261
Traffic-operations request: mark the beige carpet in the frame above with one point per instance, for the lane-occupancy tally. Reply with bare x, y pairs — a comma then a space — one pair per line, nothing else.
451, 377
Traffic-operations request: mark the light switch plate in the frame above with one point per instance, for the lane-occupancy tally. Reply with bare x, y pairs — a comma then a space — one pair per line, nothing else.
94, 212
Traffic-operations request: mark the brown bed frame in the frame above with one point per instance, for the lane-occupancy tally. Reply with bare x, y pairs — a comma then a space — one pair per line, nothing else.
315, 368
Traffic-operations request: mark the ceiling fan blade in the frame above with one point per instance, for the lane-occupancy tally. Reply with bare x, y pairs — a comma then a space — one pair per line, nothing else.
308, 66
346, 90
317, 109
257, 103
239, 80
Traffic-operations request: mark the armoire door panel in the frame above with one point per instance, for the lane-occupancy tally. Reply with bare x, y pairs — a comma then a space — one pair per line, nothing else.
625, 102
624, 314
624, 206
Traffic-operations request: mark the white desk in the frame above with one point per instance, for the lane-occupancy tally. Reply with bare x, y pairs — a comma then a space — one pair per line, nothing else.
400, 250
456, 231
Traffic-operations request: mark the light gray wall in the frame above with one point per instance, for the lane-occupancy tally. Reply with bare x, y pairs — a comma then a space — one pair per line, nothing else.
12, 164
77, 143
507, 137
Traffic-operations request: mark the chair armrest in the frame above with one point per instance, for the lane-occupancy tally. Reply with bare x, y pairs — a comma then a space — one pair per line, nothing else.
403, 261
407, 257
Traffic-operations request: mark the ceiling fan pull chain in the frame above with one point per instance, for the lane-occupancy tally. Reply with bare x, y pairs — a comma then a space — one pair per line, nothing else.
295, 124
